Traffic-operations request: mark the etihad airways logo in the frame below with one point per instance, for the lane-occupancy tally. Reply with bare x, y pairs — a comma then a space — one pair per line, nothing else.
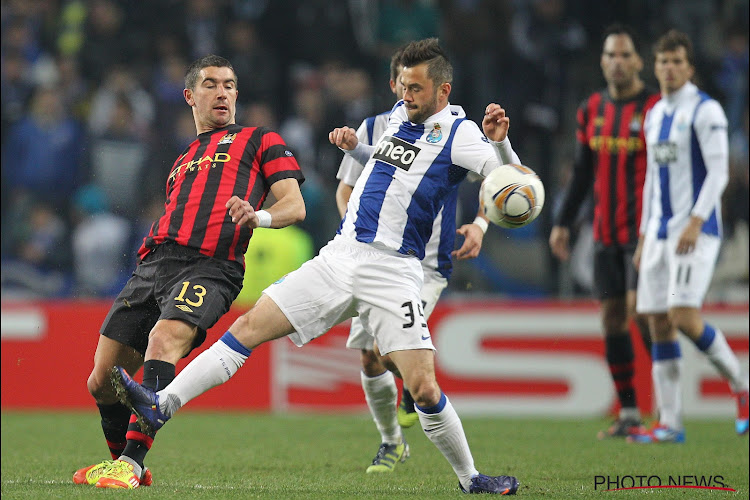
611, 144
203, 163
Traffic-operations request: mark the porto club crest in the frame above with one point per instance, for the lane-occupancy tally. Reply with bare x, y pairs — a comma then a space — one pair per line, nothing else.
435, 135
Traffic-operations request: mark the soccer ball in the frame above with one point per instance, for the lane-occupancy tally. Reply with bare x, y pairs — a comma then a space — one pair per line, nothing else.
511, 196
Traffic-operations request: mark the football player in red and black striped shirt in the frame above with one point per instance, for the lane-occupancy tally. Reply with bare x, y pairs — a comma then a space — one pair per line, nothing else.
191, 263
611, 155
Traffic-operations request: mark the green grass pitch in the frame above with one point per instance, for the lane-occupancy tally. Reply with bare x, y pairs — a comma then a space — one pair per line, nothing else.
245, 455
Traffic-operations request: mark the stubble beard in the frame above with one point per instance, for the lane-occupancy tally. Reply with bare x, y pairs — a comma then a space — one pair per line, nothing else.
419, 115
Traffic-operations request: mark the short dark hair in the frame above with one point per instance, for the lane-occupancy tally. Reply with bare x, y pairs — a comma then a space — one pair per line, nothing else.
428, 51
672, 40
622, 29
193, 72
396, 63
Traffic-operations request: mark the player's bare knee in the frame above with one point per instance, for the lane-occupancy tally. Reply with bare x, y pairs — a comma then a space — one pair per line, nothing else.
371, 365
688, 320
169, 345
425, 392
100, 386
661, 327
614, 317
614, 325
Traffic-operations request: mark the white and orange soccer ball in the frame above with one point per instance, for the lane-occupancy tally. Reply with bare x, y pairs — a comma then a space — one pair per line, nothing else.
512, 196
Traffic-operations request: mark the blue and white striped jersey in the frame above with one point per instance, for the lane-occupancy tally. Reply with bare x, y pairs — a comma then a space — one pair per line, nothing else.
688, 163
438, 249
413, 176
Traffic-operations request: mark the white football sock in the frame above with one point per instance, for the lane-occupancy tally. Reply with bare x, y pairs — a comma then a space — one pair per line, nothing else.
381, 394
666, 375
212, 367
723, 358
137, 469
444, 429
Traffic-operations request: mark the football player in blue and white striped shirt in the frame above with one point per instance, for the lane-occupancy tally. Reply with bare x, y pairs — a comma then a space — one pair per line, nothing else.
372, 268
687, 171
378, 383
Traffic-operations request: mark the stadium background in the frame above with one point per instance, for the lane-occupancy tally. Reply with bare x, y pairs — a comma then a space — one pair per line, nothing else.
93, 116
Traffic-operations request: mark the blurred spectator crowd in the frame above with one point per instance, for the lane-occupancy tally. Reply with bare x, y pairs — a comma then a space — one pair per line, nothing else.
93, 114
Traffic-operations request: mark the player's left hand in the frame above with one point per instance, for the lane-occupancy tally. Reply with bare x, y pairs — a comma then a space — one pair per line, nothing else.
241, 212
473, 236
495, 124
689, 236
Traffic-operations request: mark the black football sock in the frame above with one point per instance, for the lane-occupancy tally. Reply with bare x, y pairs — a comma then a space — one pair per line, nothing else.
156, 375
620, 359
115, 418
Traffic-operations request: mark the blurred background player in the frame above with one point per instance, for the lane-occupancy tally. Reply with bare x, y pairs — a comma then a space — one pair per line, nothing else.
372, 266
378, 382
681, 228
191, 262
611, 155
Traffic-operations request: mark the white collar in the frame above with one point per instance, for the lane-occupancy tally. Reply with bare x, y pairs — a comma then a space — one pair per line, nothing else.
688, 89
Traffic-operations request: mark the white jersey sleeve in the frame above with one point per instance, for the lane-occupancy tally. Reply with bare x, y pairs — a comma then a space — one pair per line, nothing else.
648, 185
473, 151
711, 131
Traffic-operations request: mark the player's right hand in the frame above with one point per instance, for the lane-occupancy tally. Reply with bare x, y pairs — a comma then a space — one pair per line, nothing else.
344, 137
559, 242
241, 212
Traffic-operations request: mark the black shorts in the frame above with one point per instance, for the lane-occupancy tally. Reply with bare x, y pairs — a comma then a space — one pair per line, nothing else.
614, 272
173, 282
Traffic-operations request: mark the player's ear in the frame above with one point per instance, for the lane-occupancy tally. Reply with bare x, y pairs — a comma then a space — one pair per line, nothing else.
445, 89
188, 94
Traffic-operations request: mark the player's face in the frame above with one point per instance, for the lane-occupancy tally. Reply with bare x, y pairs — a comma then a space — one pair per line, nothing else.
420, 95
214, 98
620, 63
672, 69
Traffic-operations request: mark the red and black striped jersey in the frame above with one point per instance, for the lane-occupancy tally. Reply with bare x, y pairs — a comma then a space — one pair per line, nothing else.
233, 160
611, 154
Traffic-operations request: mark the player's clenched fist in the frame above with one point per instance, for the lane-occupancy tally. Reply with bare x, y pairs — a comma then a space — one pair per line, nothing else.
242, 213
344, 137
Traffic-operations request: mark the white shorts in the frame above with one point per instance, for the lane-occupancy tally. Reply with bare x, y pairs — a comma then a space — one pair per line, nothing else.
434, 284
667, 280
349, 278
